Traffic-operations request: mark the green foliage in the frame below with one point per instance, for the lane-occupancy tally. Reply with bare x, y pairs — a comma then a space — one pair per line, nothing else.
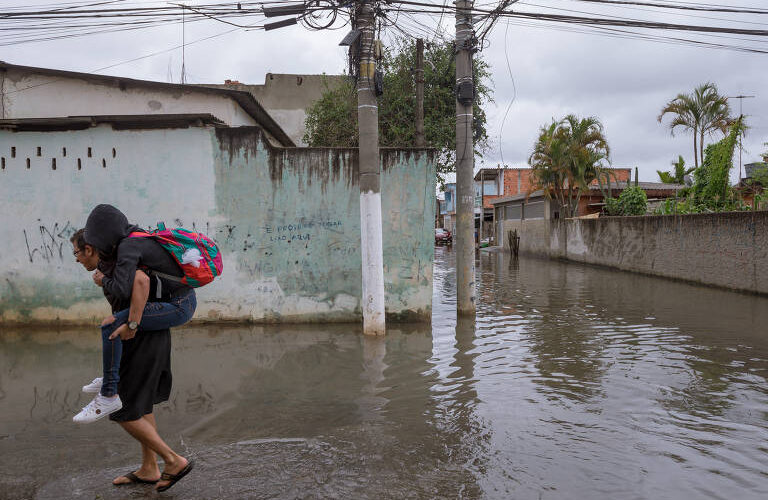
631, 201
332, 120
701, 112
711, 186
612, 206
711, 191
677, 175
568, 155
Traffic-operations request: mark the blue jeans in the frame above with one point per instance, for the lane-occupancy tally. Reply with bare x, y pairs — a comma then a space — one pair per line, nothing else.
156, 316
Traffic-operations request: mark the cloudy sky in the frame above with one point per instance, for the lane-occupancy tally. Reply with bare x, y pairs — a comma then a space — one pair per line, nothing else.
540, 70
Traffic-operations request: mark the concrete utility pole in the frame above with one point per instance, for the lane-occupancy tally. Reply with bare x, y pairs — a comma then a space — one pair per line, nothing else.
369, 176
420, 139
465, 202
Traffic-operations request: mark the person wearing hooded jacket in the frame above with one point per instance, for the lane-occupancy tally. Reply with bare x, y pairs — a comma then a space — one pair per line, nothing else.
137, 356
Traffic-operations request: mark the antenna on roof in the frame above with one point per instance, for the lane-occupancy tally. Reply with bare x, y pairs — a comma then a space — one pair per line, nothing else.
183, 44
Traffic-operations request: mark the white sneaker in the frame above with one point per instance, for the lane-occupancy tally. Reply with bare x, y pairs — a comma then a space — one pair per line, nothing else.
94, 386
98, 408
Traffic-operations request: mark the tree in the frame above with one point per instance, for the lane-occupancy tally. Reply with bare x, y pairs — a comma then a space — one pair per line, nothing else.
332, 120
711, 180
567, 157
676, 176
701, 112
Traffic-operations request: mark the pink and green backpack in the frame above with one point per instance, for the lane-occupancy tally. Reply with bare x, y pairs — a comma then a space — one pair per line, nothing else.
198, 255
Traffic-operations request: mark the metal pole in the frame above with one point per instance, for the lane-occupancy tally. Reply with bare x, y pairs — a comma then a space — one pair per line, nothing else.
465, 220
369, 180
420, 139
741, 115
482, 204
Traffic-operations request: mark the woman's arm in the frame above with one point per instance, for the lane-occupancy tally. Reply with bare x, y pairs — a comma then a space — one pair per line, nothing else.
139, 297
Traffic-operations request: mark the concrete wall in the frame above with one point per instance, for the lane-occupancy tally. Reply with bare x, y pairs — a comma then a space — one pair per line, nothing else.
26, 94
534, 235
287, 220
727, 249
287, 97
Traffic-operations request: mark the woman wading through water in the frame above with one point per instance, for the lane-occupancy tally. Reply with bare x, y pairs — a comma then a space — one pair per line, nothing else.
145, 367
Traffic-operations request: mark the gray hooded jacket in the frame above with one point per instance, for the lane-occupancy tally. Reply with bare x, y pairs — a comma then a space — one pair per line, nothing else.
107, 230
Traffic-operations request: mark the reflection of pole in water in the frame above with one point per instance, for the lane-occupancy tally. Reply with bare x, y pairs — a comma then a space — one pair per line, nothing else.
374, 351
464, 361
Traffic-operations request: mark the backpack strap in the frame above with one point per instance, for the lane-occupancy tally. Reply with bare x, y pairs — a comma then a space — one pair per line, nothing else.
157, 274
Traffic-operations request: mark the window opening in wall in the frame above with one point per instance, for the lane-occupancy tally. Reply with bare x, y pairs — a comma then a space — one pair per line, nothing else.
114, 152
53, 163
28, 163
104, 163
13, 152
39, 151
3, 163
90, 152
63, 151
79, 164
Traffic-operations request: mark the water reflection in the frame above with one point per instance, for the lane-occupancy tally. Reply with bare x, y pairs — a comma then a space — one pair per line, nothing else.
572, 382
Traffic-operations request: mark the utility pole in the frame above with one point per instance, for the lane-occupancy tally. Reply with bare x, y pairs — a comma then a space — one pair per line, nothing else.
369, 175
465, 202
420, 139
741, 115
482, 205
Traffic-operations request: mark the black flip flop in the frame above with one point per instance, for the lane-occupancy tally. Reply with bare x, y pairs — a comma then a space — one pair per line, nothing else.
136, 480
175, 478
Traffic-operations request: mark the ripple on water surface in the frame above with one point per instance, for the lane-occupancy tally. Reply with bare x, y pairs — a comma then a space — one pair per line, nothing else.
571, 382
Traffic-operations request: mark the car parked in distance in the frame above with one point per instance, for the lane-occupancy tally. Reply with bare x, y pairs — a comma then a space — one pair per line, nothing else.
443, 236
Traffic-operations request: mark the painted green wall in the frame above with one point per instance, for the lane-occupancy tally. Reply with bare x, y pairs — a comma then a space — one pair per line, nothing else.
287, 220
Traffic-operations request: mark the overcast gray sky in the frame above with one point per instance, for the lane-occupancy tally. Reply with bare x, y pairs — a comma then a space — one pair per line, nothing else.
623, 82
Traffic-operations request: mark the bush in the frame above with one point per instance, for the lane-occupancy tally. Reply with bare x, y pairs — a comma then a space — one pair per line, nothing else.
633, 201
612, 206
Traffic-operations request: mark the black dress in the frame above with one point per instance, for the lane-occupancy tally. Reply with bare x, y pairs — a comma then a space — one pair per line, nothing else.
145, 374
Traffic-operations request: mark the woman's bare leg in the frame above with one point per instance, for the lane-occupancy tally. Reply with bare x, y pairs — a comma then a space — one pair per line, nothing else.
145, 432
149, 469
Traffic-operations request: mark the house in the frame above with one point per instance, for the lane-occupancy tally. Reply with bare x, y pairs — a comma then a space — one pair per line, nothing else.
448, 214
287, 97
751, 185
494, 183
43, 93
287, 219
538, 206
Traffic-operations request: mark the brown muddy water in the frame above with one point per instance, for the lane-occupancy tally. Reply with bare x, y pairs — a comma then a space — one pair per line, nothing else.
573, 382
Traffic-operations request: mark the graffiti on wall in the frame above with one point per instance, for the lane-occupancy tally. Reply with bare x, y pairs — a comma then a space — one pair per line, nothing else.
47, 242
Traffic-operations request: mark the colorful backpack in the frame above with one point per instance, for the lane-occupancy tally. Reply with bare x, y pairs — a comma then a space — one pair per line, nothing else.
197, 255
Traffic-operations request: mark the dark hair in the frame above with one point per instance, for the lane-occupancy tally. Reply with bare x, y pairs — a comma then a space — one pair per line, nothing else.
78, 239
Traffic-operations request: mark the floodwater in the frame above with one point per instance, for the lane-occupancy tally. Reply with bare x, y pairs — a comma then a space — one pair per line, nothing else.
573, 382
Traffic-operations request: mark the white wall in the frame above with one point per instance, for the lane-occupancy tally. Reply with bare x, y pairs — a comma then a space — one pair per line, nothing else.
33, 95
42, 207
287, 221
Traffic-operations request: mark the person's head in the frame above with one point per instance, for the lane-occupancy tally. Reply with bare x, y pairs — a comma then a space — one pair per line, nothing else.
84, 253
105, 228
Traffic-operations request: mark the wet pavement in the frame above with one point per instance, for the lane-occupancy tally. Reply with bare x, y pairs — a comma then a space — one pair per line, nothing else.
572, 382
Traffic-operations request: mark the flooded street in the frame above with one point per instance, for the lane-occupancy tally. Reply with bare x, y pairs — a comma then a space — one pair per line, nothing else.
572, 382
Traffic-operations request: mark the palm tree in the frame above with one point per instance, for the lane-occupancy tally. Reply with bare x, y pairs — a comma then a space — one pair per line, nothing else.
703, 111
567, 156
677, 176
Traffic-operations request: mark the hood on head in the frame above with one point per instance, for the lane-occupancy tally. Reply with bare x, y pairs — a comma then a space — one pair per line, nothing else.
105, 227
